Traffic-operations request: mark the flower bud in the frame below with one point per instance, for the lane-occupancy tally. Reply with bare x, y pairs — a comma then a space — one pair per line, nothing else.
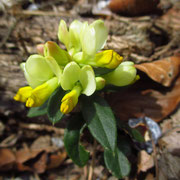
123, 75
61, 56
23, 94
100, 83
70, 100
41, 93
40, 49
108, 59
63, 34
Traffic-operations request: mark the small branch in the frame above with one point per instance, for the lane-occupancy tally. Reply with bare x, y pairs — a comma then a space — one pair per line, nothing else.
42, 13
155, 160
91, 168
41, 127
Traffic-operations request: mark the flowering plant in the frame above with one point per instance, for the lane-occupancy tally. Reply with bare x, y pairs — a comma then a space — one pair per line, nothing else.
58, 79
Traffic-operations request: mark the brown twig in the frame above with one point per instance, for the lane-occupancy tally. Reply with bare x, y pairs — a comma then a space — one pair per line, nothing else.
91, 168
42, 127
155, 159
42, 13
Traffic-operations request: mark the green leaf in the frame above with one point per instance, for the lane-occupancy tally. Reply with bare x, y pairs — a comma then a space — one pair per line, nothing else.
38, 111
117, 162
136, 135
71, 140
100, 121
54, 103
133, 133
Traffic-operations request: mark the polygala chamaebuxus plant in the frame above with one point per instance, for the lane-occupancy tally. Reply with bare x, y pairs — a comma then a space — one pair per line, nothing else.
58, 79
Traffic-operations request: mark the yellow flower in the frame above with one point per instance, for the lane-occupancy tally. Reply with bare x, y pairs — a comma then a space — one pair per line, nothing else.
70, 100
108, 59
123, 75
36, 97
100, 83
23, 94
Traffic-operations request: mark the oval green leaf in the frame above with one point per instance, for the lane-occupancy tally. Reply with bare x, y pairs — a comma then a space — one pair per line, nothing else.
53, 111
117, 163
100, 121
71, 140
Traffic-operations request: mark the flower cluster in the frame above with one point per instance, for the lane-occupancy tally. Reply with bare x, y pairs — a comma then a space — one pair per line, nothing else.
73, 69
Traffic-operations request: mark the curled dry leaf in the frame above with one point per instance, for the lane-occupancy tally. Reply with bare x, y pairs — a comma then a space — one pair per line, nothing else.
23, 156
145, 161
162, 71
145, 98
133, 7
40, 165
40, 156
56, 160
7, 159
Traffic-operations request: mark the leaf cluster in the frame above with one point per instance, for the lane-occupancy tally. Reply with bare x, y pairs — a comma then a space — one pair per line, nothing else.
97, 116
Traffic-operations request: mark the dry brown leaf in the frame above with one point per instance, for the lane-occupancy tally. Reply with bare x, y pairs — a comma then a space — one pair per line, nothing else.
171, 142
39, 156
56, 159
40, 165
169, 166
169, 159
145, 161
145, 98
162, 71
44, 143
7, 159
133, 7
150, 176
24, 155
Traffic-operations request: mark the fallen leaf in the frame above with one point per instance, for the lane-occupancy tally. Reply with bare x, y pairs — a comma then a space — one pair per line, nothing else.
150, 176
40, 165
171, 142
44, 143
41, 155
168, 165
145, 161
55, 160
133, 7
145, 98
169, 158
23, 156
7, 159
162, 71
